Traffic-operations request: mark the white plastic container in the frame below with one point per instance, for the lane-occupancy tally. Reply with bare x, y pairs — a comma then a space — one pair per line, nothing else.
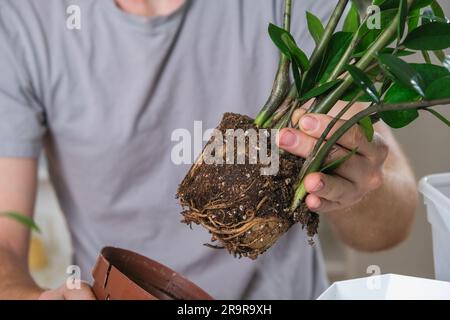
436, 191
388, 287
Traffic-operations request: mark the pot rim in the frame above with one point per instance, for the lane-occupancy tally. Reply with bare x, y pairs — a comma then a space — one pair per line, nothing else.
123, 274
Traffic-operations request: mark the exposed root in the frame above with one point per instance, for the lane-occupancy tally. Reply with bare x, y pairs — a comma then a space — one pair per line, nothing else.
243, 210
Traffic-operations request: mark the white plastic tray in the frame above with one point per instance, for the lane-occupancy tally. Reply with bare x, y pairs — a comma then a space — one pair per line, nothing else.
388, 287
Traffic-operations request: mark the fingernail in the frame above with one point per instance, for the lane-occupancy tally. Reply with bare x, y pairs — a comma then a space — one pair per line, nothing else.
318, 186
315, 205
309, 123
287, 138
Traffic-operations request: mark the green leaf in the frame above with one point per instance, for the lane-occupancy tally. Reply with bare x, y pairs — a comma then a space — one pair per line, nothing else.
430, 72
352, 22
352, 92
337, 163
295, 53
398, 93
276, 34
403, 12
367, 126
320, 71
439, 89
413, 20
437, 9
297, 78
24, 220
386, 4
439, 116
361, 6
419, 4
371, 35
430, 36
438, 12
398, 53
315, 27
363, 81
339, 43
399, 118
402, 72
320, 89
389, 4
310, 78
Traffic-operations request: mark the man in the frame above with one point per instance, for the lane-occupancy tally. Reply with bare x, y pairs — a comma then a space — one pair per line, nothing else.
102, 100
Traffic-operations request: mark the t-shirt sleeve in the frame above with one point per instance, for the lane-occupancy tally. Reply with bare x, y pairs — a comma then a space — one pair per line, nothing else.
21, 115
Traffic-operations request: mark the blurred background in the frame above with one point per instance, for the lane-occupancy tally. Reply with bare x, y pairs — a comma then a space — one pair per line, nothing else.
427, 144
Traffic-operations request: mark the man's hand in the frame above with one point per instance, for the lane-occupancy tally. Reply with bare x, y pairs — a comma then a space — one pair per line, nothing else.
358, 176
370, 199
63, 293
18, 178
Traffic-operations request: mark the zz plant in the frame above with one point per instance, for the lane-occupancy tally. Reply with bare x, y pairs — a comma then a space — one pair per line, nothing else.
363, 62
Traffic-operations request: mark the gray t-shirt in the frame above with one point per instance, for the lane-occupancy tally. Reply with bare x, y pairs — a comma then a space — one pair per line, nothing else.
103, 101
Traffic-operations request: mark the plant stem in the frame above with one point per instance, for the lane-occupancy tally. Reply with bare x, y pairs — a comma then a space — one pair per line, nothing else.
347, 54
322, 138
279, 89
374, 109
285, 120
383, 40
281, 82
317, 54
333, 123
329, 30
287, 14
439, 116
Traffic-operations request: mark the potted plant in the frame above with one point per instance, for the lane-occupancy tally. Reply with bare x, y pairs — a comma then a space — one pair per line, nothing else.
246, 212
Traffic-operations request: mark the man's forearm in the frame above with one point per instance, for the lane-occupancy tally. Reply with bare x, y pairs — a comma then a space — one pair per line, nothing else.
384, 217
15, 281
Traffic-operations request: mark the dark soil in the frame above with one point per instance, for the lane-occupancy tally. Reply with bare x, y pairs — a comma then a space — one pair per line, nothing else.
246, 212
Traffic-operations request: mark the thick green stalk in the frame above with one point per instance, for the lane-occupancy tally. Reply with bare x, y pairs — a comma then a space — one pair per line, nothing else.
321, 140
285, 120
279, 90
317, 162
347, 54
274, 101
333, 123
329, 30
282, 109
281, 83
383, 40
287, 15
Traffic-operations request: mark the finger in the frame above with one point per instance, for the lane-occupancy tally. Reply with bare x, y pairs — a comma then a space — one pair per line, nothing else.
352, 169
300, 144
83, 293
52, 295
315, 124
330, 187
296, 142
317, 204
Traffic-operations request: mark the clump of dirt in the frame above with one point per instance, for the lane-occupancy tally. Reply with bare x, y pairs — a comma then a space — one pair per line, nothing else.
245, 211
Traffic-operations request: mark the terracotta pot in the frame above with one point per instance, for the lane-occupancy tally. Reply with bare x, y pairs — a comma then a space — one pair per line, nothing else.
124, 275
